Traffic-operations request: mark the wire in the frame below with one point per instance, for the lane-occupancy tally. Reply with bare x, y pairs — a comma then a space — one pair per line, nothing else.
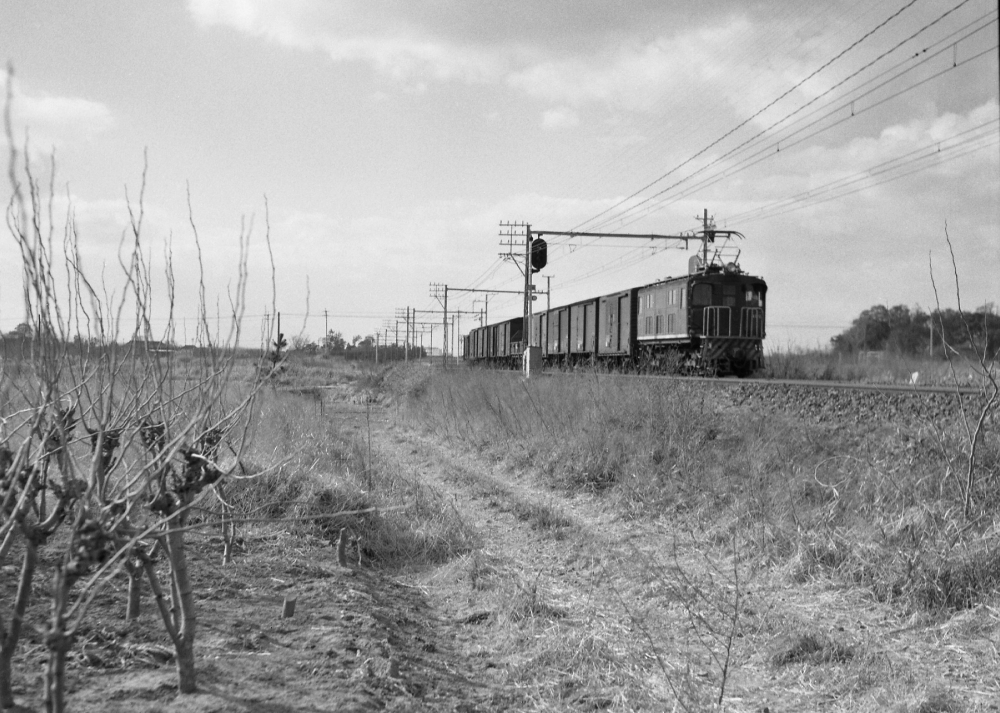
659, 204
756, 114
935, 149
846, 104
783, 144
993, 141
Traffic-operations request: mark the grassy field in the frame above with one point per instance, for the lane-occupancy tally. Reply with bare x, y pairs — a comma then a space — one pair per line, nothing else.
873, 512
873, 367
872, 506
597, 542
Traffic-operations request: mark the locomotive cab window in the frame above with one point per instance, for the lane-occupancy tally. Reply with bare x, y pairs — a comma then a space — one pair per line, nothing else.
701, 295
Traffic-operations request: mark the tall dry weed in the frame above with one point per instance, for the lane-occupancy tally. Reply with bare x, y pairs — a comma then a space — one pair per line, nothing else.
813, 499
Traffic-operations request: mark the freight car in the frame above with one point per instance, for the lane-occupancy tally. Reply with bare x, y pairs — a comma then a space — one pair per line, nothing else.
708, 321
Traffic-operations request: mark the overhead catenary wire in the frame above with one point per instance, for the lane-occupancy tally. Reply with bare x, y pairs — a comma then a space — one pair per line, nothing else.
979, 137
939, 151
760, 111
772, 148
846, 104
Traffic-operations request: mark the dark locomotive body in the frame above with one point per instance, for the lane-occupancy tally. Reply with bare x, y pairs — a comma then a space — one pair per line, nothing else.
711, 321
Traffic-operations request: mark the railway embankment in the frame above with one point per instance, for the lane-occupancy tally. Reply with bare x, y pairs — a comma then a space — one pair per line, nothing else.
764, 546
910, 408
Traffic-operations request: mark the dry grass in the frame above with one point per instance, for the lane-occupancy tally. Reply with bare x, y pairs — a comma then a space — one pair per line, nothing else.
874, 507
308, 465
876, 511
867, 367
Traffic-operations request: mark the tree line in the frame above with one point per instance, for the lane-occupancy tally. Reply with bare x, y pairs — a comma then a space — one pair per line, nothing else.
900, 330
359, 348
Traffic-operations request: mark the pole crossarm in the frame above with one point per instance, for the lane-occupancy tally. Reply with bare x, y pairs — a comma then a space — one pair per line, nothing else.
492, 292
708, 235
441, 311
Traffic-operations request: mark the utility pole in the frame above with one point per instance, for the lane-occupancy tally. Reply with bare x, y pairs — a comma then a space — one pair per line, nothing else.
483, 315
704, 243
402, 313
528, 297
326, 325
510, 231
437, 291
548, 292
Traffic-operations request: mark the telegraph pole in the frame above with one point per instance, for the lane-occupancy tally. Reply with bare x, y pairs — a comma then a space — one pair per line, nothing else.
402, 313
528, 297
437, 291
510, 231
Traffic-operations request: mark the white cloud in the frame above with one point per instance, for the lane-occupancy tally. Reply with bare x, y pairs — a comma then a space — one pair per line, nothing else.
402, 52
638, 76
81, 115
607, 67
560, 118
53, 121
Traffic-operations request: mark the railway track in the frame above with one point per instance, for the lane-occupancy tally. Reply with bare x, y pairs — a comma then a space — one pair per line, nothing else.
961, 389
845, 385
908, 406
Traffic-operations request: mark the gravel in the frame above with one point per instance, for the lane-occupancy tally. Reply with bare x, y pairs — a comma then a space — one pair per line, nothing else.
855, 406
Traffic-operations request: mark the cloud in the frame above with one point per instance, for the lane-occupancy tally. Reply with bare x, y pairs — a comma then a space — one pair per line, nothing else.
54, 121
902, 147
590, 56
682, 67
80, 115
560, 118
392, 46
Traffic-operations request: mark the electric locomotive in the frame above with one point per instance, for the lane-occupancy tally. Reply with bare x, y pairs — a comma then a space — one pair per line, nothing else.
711, 320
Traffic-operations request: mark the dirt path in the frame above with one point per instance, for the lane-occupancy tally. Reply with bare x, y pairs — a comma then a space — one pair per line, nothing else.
569, 606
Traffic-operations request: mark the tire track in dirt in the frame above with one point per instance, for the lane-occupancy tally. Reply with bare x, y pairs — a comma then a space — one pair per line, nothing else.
569, 606
560, 581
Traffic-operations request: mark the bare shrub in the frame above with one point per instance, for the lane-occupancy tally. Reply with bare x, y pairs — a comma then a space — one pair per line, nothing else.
108, 500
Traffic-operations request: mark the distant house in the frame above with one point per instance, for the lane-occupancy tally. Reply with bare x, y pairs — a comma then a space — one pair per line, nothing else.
151, 346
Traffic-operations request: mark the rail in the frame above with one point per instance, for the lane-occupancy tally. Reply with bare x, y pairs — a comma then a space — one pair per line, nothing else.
964, 390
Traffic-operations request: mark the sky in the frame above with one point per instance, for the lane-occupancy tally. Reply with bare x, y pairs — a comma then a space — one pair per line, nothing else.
376, 146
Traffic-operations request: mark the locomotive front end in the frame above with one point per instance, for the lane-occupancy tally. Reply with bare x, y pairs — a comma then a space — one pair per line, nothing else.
726, 319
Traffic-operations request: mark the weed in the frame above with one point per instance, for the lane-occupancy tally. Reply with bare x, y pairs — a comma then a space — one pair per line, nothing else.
811, 648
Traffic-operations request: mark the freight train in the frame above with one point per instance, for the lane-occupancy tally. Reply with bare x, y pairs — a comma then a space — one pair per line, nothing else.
710, 321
